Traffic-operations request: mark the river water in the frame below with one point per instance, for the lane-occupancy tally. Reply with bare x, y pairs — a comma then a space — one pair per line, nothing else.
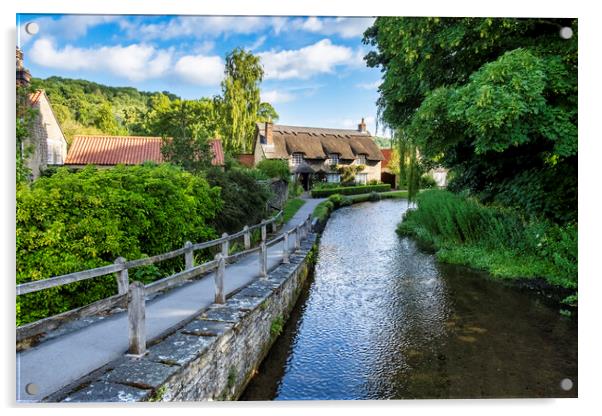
383, 320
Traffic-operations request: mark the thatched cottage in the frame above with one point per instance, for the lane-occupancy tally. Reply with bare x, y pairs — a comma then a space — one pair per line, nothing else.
317, 154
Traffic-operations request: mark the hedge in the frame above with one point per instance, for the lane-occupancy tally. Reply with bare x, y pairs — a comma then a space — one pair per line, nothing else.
76, 221
350, 190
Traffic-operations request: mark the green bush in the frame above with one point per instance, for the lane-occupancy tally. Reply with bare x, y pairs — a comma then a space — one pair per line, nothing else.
275, 168
318, 186
427, 182
70, 222
244, 199
499, 240
350, 190
336, 199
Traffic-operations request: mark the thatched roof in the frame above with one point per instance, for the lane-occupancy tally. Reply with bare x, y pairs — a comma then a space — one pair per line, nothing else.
318, 143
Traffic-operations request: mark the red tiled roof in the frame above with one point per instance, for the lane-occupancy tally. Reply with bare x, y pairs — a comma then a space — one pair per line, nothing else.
387, 157
127, 150
218, 152
247, 160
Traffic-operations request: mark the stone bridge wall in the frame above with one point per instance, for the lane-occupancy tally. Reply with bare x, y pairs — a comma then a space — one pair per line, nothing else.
214, 356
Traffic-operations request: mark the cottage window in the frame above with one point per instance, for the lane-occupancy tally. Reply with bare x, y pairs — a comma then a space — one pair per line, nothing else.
333, 178
361, 159
333, 159
297, 158
361, 178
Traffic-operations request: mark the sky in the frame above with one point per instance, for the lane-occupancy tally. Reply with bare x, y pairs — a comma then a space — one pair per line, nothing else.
314, 76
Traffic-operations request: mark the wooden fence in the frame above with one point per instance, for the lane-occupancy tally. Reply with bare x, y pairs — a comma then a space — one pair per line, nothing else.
133, 295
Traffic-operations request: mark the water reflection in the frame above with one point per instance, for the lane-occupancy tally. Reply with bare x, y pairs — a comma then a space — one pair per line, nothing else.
383, 320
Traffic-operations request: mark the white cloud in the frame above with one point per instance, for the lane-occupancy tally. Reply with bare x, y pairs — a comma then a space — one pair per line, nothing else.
200, 70
67, 27
369, 85
215, 26
204, 47
276, 96
319, 58
257, 44
135, 62
202, 26
345, 27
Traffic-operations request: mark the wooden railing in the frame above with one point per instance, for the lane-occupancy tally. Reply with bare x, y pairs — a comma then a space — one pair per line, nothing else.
133, 295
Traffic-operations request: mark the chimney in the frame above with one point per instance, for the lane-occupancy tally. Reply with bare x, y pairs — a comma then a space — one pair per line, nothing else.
269, 139
23, 75
362, 126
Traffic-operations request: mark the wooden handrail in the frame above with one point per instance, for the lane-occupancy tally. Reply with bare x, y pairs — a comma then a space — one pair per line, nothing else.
57, 281
134, 294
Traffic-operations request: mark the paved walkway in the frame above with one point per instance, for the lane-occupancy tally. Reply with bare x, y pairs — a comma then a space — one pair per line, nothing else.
61, 361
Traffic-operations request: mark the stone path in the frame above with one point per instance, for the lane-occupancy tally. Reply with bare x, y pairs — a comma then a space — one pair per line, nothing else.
60, 361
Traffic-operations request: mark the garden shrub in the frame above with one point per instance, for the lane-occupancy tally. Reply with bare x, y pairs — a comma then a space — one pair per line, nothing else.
275, 168
427, 182
350, 190
71, 222
244, 199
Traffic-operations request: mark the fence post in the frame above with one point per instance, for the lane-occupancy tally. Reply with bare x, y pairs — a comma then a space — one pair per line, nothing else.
188, 256
247, 237
263, 260
263, 230
274, 226
219, 279
302, 228
137, 319
225, 245
122, 277
297, 238
285, 259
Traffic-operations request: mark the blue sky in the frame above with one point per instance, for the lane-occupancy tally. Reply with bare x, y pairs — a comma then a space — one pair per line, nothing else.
315, 74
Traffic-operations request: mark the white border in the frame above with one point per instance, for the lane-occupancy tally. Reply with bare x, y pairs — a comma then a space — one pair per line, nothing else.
589, 178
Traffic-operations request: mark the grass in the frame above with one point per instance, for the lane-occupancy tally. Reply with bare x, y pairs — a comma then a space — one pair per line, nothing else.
499, 240
291, 207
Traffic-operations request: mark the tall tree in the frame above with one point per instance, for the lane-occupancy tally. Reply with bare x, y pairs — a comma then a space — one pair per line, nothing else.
186, 126
240, 102
267, 113
495, 100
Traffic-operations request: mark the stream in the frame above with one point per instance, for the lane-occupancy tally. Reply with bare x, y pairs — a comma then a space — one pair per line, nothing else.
382, 319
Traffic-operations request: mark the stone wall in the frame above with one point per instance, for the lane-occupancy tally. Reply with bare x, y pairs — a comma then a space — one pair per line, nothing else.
215, 355
279, 193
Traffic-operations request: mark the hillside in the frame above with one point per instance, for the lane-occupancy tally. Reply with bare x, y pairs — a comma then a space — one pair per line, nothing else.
85, 107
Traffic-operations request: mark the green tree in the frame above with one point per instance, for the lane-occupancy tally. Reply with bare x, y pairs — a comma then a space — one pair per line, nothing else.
495, 100
267, 113
240, 103
186, 126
